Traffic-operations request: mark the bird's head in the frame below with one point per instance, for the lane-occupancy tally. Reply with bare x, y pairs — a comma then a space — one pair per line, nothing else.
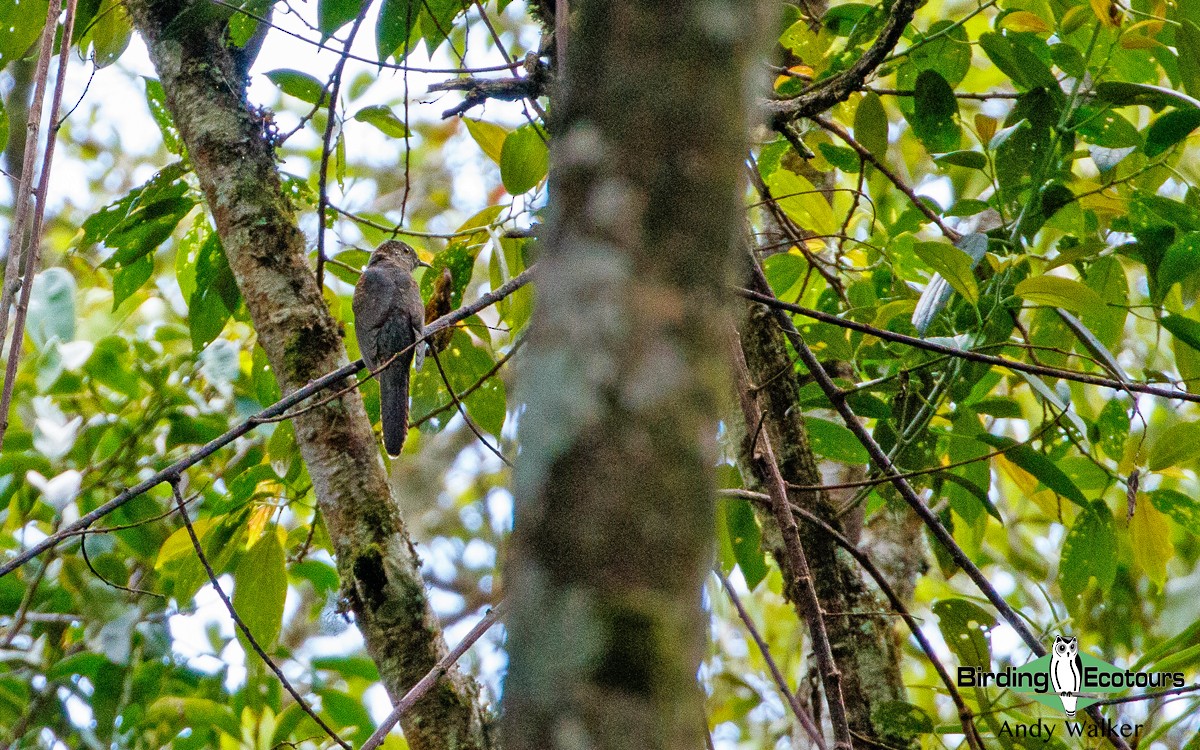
399, 253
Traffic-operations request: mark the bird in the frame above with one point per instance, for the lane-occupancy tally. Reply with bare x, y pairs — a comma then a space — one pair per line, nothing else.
1066, 671
389, 319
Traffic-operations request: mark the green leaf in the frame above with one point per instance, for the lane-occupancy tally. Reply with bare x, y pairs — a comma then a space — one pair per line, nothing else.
835, 442
395, 27
197, 714
109, 34
1187, 41
1175, 446
334, 14
871, 125
524, 160
129, 278
903, 721
949, 55
260, 587
1038, 465
1106, 277
384, 119
300, 85
935, 113
953, 265
1088, 552
52, 307
967, 159
845, 159
965, 626
22, 22
111, 364
156, 98
1169, 129
1121, 94
1057, 291
1183, 508
459, 257
745, 539
1181, 260
1184, 329
1000, 51
489, 136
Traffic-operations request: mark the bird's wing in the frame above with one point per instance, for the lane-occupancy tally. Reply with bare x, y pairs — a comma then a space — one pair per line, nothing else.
374, 300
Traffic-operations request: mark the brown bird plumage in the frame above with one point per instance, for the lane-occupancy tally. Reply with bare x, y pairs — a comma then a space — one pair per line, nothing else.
388, 319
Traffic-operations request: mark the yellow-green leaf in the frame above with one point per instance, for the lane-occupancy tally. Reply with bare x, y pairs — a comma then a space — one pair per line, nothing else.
1057, 291
953, 265
1150, 538
260, 587
489, 136
802, 202
1175, 446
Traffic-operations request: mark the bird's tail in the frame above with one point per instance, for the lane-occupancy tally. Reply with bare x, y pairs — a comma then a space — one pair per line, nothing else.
393, 405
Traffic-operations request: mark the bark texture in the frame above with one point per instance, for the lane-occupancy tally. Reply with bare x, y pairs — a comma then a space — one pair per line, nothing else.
863, 643
614, 486
266, 251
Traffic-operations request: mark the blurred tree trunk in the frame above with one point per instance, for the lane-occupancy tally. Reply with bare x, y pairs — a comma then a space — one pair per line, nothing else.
236, 166
625, 376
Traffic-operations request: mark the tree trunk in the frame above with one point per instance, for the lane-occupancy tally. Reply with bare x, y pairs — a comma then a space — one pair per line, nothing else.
864, 646
257, 226
626, 372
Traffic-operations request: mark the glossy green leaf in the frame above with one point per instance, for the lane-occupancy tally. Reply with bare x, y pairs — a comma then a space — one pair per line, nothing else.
745, 539
871, 125
1184, 329
966, 159
524, 160
298, 84
395, 31
334, 14
802, 202
489, 136
953, 265
1169, 129
129, 278
1177, 445
1187, 41
22, 22
1123, 93
835, 442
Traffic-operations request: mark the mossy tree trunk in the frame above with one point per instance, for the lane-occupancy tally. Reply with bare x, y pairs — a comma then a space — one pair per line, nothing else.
236, 168
626, 373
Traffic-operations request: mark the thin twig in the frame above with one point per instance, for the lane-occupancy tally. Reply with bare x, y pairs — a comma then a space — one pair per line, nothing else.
323, 175
803, 590
803, 715
241, 625
279, 407
967, 354
418, 691
838, 398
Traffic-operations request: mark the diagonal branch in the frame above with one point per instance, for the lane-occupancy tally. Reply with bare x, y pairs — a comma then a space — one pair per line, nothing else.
241, 625
837, 397
280, 407
972, 356
806, 593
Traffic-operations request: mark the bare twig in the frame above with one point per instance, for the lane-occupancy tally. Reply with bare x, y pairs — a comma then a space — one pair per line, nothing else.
418, 691
967, 354
279, 407
241, 625
803, 715
838, 398
804, 591
323, 175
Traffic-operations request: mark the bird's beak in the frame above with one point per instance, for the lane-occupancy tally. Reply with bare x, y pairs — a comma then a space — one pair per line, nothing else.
423, 263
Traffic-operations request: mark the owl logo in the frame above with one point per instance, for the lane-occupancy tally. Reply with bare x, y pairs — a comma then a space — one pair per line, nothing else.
1066, 671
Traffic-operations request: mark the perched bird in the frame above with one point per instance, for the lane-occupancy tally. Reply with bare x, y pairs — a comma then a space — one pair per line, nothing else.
440, 303
388, 319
